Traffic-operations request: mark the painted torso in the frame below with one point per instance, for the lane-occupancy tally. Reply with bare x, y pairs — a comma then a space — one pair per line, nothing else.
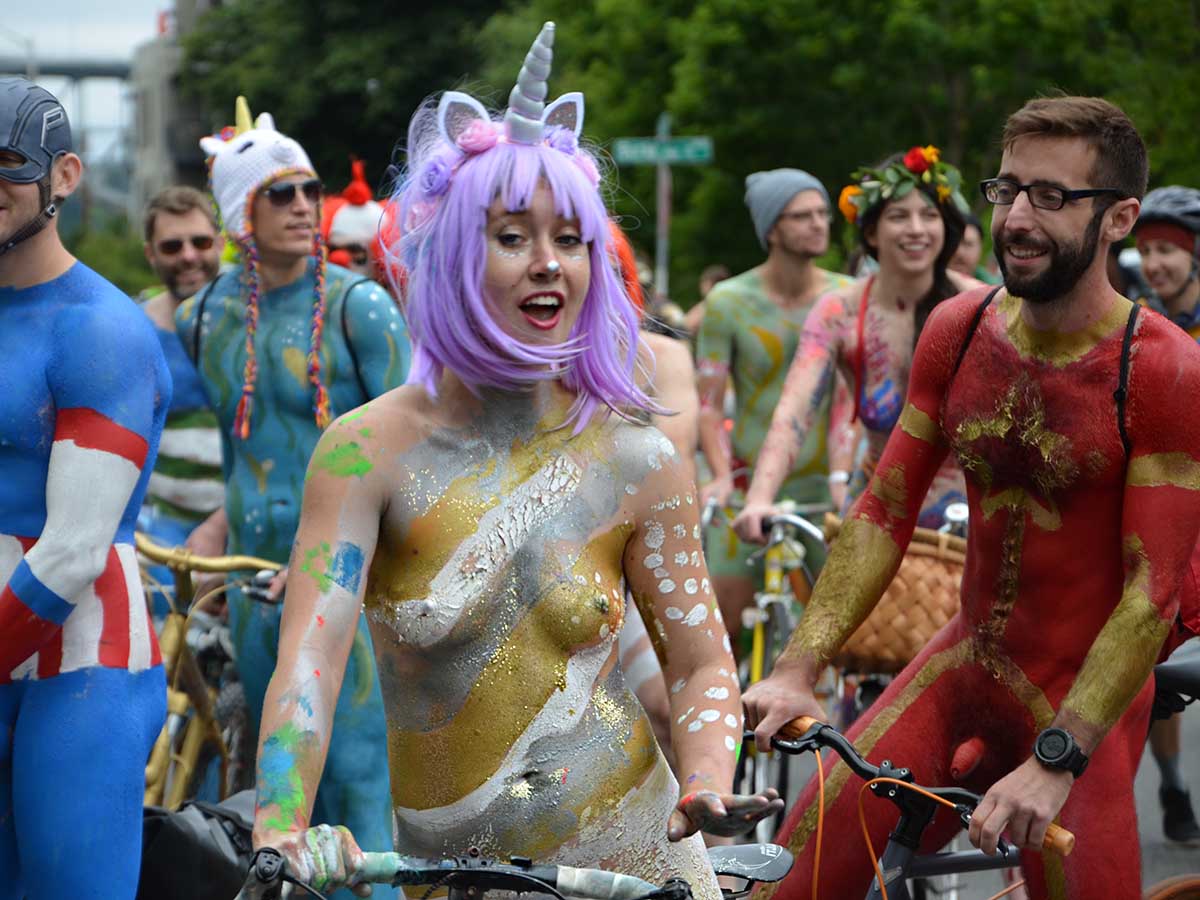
1034, 428
495, 599
755, 339
264, 474
67, 350
886, 359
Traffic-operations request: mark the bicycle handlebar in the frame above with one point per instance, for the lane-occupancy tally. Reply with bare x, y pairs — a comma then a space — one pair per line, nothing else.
269, 870
806, 733
180, 558
797, 522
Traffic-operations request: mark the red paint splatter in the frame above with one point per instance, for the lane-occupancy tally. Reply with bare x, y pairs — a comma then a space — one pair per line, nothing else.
564, 774
317, 672
320, 621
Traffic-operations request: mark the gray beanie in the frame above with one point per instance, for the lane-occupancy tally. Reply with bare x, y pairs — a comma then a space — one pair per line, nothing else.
767, 193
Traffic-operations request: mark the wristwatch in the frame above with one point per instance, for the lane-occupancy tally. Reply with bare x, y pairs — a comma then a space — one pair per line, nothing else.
1056, 749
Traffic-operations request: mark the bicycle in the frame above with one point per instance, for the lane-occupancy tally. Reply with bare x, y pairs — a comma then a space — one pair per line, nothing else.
787, 585
201, 722
470, 877
917, 804
1177, 685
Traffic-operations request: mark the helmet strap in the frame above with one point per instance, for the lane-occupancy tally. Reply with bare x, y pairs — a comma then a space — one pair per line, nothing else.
38, 222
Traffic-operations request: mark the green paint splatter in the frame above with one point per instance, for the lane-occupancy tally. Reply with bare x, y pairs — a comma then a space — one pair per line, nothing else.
344, 460
365, 432
316, 564
356, 414
279, 781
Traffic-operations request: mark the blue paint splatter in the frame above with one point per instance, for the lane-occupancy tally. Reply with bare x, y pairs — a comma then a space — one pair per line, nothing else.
346, 567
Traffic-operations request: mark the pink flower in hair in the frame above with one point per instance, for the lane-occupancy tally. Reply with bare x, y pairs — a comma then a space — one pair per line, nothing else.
418, 215
477, 137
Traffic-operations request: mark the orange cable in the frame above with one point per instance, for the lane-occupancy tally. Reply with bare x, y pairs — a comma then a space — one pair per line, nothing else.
862, 820
1008, 890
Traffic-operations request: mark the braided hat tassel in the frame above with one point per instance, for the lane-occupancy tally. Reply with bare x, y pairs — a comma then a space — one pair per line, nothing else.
321, 405
245, 407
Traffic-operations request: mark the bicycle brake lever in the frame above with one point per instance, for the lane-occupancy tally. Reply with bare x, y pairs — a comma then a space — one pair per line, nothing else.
1003, 847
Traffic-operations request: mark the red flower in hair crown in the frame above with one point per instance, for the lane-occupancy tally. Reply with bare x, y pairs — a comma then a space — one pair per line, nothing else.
920, 165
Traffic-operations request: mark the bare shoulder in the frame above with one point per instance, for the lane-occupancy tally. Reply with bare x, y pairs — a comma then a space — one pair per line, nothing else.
963, 282
672, 358
393, 422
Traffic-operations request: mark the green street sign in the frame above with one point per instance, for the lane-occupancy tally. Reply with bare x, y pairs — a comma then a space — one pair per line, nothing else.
673, 151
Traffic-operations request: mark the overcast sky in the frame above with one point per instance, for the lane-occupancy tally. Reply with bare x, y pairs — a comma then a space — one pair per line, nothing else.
85, 29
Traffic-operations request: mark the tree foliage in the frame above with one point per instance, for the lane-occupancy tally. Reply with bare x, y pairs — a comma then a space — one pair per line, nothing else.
825, 87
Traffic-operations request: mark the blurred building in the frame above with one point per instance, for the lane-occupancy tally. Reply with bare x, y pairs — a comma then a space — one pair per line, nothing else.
166, 131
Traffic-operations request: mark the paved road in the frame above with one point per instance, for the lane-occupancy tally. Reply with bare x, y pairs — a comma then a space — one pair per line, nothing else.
1160, 859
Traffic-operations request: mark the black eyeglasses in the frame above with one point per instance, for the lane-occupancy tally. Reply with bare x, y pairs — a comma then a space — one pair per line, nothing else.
1004, 192
171, 246
283, 194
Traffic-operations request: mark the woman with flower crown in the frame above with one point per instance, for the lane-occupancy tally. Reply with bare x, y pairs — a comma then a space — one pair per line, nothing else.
490, 516
909, 215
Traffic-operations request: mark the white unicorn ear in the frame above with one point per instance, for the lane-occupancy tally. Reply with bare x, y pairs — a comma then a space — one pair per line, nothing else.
265, 122
566, 111
456, 112
212, 145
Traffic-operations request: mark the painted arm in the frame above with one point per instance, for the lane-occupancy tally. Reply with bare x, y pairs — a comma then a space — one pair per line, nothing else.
339, 525
379, 337
665, 570
714, 358
809, 380
872, 541
109, 387
1159, 525
844, 435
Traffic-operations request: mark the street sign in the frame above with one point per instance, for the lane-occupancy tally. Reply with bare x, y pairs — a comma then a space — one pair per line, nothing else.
672, 151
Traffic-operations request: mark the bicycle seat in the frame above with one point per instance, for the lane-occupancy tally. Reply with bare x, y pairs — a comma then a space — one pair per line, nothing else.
757, 862
1181, 672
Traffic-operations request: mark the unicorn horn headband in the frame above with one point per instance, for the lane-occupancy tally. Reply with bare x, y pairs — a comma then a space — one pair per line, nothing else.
527, 116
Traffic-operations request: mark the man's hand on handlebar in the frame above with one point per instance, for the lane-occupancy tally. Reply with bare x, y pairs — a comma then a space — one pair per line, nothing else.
721, 814
749, 522
773, 702
1024, 803
323, 856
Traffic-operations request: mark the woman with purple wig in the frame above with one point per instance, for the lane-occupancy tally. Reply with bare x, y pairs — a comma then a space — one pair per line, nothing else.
491, 516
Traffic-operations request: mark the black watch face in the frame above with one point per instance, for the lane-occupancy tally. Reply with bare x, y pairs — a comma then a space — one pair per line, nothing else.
1054, 745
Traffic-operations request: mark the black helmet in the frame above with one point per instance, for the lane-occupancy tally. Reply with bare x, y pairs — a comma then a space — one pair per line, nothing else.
1174, 205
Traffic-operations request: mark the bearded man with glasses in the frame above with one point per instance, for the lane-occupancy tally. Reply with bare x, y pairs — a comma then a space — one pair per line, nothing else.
1070, 411
183, 247
284, 343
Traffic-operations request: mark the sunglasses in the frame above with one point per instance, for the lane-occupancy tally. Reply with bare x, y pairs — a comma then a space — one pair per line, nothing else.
171, 246
283, 194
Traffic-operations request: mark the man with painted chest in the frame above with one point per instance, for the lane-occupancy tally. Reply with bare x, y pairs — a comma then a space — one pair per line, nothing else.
1068, 410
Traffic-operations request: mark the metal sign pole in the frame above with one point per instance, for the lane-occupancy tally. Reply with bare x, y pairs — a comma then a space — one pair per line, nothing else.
662, 236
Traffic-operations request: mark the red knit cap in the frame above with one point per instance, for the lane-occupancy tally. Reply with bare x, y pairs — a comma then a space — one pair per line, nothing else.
1165, 231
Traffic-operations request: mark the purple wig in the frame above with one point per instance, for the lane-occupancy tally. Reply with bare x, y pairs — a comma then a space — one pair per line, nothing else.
442, 207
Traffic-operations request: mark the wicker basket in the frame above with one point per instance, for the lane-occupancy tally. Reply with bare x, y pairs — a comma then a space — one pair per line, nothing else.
922, 598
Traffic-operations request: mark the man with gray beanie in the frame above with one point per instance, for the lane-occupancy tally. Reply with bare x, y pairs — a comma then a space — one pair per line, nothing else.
750, 331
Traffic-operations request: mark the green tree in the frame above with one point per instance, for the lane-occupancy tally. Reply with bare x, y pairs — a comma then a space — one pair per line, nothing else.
112, 250
340, 77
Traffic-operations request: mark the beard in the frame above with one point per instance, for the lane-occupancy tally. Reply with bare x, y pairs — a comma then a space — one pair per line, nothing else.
172, 277
1067, 263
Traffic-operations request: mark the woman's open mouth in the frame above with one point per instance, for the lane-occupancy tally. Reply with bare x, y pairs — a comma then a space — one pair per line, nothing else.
543, 310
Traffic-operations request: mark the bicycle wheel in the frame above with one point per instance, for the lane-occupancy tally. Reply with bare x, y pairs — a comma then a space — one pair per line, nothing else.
1181, 887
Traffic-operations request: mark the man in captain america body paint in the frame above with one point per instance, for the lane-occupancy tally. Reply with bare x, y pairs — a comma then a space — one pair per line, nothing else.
283, 343
1069, 412
500, 504
84, 390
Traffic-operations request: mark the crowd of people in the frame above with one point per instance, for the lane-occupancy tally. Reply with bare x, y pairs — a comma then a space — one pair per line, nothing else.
504, 627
